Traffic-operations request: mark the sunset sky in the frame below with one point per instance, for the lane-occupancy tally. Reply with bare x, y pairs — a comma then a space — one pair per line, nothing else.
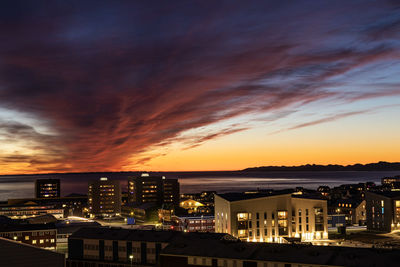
197, 85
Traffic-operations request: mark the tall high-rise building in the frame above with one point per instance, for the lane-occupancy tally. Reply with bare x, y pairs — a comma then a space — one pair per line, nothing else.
171, 191
104, 197
153, 189
47, 188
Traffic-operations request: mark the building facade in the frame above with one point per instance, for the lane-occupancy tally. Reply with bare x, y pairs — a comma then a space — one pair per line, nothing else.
383, 211
271, 217
30, 209
75, 205
153, 189
353, 209
47, 188
104, 197
198, 223
40, 235
99, 246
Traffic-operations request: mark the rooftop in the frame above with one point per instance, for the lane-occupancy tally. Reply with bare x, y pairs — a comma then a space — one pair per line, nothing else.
26, 227
18, 254
244, 196
138, 235
389, 194
307, 254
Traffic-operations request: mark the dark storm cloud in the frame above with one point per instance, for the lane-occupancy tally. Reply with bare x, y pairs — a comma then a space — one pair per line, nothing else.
115, 78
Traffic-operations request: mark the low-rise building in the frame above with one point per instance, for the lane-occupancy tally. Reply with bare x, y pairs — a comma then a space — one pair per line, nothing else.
142, 213
30, 209
271, 217
383, 211
391, 183
198, 223
73, 205
353, 209
99, 246
38, 235
336, 220
105, 246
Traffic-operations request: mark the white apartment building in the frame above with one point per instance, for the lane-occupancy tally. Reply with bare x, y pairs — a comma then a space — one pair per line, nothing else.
271, 217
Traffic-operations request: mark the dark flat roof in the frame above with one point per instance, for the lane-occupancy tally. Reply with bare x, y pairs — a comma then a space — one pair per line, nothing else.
18, 254
26, 227
389, 194
138, 235
303, 254
244, 196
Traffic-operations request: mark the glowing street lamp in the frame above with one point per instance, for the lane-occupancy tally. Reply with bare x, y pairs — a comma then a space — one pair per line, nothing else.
131, 258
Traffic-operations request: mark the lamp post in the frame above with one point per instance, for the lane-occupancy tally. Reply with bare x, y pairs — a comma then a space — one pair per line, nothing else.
131, 258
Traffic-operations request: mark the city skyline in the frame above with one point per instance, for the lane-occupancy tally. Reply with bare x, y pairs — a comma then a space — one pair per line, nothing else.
189, 86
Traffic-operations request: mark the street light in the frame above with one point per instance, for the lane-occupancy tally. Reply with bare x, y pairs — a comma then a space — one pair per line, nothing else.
131, 258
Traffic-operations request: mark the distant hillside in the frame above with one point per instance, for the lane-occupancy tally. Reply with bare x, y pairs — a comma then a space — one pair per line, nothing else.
380, 166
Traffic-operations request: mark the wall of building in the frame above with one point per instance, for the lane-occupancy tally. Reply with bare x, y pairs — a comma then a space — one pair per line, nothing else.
265, 228
104, 197
379, 212
92, 249
224, 220
39, 238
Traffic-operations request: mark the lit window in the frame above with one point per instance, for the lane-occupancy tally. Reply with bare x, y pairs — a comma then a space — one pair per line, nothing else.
41, 241
27, 237
33, 241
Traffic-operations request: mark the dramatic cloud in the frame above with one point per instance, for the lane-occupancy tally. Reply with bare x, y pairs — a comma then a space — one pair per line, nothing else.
112, 80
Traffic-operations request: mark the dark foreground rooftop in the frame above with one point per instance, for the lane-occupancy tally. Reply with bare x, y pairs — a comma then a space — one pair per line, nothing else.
14, 254
302, 254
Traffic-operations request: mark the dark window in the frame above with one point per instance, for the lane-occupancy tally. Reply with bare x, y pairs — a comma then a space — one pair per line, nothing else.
265, 215
257, 216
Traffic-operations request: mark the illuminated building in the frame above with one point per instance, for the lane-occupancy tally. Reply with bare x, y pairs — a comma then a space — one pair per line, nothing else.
353, 209
104, 197
190, 205
72, 205
390, 180
271, 217
47, 188
30, 209
38, 235
198, 223
383, 211
391, 183
154, 189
